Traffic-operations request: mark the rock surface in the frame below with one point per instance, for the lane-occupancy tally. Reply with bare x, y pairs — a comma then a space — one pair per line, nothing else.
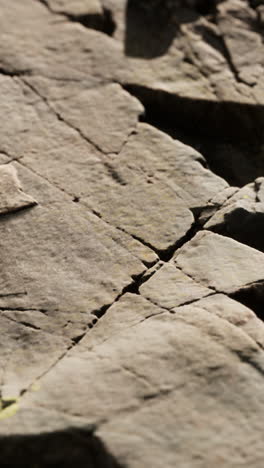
131, 232
12, 197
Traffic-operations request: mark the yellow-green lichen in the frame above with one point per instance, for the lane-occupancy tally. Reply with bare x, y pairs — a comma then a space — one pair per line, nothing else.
35, 387
8, 407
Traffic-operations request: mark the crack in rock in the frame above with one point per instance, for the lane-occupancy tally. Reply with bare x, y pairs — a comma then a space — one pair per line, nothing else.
132, 260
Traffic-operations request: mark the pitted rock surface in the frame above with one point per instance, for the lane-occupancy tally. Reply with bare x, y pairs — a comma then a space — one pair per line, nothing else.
131, 232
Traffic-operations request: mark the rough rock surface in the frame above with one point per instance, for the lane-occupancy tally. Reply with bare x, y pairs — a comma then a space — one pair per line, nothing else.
131, 233
12, 197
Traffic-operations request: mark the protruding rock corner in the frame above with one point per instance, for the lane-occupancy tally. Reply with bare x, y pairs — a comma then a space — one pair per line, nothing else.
12, 196
131, 232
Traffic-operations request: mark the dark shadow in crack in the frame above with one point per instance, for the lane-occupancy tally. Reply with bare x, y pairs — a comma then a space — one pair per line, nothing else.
245, 226
65, 449
229, 135
253, 298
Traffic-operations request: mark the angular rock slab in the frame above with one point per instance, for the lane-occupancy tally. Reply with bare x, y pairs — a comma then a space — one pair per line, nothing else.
239, 26
157, 155
160, 180
235, 313
26, 354
86, 173
12, 197
151, 213
105, 116
170, 288
170, 186
58, 258
242, 216
192, 371
220, 263
58, 153
174, 416
75, 7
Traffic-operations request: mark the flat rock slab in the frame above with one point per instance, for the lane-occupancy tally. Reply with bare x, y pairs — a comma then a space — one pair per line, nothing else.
106, 116
23, 343
53, 274
170, 288
208, 255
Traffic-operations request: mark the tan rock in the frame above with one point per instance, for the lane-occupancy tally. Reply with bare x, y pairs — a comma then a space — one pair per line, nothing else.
170, 288
75, 7
220, 263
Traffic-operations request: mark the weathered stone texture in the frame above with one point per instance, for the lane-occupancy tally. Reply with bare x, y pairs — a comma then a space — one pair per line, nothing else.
131, 233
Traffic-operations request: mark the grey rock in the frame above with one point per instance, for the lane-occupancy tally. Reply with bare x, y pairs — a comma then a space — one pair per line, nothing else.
53, 259
235, 313
170, 287
132, 335
106, 116
242, 216
22, 344
220, 263
205, 372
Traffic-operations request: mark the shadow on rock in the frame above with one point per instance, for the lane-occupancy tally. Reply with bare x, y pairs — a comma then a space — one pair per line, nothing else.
253, 298
152, 25
229, 134
66, 449
232, 121
246, 227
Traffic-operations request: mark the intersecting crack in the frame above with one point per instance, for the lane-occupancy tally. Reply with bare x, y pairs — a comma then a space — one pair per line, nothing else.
189, 120
62, 119
99, 313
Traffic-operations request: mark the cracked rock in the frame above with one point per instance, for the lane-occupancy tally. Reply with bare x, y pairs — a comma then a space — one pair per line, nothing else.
170, 287
22, 344
131, 232
235, 313
208, 255
242, 216
202, 363
60, 242
115, 109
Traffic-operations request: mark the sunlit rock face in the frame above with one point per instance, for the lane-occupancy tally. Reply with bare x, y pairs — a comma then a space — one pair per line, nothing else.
131, 233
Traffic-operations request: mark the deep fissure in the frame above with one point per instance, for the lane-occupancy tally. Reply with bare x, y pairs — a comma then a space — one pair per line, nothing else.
252, 297
229, 135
